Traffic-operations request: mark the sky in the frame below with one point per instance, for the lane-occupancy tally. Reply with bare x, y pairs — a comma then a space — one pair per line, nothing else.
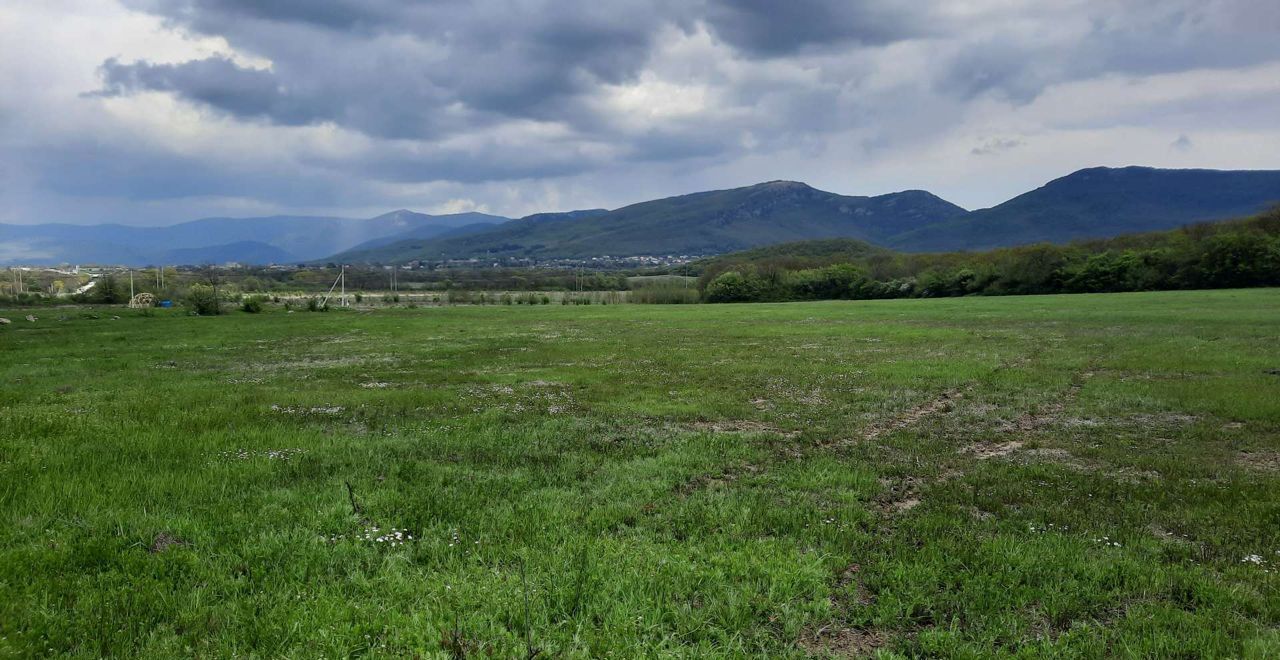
152, 112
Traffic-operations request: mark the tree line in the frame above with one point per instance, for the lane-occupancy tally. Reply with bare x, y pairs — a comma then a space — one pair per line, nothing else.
1238, 253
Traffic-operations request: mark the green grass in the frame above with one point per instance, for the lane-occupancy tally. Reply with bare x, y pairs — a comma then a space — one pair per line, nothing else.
1067, 476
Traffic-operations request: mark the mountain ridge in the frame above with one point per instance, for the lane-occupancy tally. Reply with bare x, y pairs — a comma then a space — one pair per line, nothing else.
699, 223
1096, 202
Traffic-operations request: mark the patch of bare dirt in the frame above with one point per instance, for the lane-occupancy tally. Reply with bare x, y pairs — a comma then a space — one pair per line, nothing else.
988, 450
1058, 456
715, 480
899, 495
843, 642
1161, 420
904, 505
740, 426
1052, 412
1133, 476
1029, 422
165, 541
1268, 461
1055, 455
941, 404
1045, 415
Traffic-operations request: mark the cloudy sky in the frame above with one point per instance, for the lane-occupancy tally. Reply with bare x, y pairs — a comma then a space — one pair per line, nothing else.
159, 111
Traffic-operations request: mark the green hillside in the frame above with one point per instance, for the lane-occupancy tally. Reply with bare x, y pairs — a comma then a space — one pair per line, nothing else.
697, 224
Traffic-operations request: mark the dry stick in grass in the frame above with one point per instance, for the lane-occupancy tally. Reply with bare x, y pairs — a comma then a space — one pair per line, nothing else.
356, 509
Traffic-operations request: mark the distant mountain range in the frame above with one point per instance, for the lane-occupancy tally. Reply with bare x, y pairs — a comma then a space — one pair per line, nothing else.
1091, 203
275, 239
1101, 202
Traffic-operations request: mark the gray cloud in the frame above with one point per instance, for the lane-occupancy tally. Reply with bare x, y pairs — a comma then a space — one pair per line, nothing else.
764, 28
996, 145
1140, 37
401, 69
346, 99
141, 175
217, 82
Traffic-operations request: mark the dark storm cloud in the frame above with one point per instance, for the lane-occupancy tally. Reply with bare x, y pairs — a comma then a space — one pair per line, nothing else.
217, 82
428, 70
765, 27
421, 69
470, 93
213, 15
403, 69
354, 100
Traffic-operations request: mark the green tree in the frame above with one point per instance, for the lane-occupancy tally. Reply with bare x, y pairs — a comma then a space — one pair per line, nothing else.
735, 287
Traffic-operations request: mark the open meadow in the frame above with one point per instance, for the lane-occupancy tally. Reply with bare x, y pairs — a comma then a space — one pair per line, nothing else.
1066, 476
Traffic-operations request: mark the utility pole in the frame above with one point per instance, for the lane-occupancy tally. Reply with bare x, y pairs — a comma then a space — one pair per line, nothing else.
130, 285
343, 278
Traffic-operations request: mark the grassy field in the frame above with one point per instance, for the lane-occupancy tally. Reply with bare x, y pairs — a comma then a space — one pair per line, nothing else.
1075, 476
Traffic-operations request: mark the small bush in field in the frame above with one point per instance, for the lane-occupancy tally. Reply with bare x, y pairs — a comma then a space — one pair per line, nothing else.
253, 304
203, 300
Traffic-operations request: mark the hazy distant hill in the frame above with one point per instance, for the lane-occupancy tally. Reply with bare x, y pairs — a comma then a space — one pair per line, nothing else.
217, 240
424, 233
247, 252
401, 251
700, 223
1100, 202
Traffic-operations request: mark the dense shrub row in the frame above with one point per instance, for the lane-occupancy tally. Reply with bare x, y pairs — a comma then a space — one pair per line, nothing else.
1242, 253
